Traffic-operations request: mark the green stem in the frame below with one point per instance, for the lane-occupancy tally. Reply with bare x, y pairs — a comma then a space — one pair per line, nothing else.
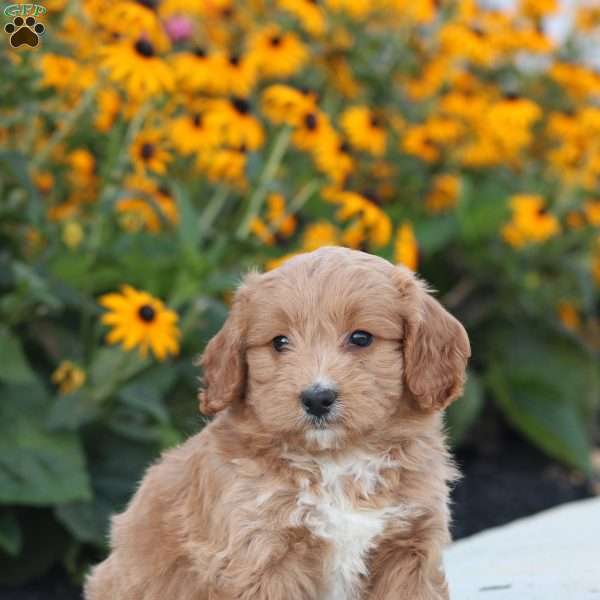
59, 135
256, 200
212, 210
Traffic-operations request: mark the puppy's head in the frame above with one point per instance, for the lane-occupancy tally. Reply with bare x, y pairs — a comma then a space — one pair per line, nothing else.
333, 345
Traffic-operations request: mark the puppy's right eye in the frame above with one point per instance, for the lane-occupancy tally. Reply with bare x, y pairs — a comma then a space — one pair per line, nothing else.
280, 343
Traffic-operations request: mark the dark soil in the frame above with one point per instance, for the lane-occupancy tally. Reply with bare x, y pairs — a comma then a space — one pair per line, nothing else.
504, 478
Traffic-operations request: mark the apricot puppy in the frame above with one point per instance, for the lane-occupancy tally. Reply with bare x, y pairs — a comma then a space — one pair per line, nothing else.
325, 474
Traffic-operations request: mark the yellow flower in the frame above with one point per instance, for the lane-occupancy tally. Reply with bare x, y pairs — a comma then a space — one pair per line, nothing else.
68, 377
333, 158
364, 129
148, 152
146, 207
591, 209
44, 181
318, 234
444, 193
72, 234
193, 133
195, 71
277, 53
311, 16
538, 8
375, 222
406, 249
109, 104
568, 315
357, 9
285, 104
277, 221
224, 164
135, 65
313, 130
237, 125
140, 320
530, 223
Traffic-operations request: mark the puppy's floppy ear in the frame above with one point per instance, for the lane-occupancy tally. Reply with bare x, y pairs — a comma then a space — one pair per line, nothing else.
223, 361
436, 348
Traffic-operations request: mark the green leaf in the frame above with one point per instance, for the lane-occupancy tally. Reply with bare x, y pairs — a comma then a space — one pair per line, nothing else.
11, 540
546, 385
14, 367
188, 219
481, 211
71, 411
37, 466
113, 480
461, 415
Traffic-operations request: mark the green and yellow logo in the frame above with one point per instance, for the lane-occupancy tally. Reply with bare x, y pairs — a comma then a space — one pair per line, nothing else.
24, 28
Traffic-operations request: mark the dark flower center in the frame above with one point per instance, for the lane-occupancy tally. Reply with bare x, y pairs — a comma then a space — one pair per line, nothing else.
147, 151
151, 4
227, 12
144, 48
375, 121
197, 120
241, 105
275, 41
147, 313
200, 52
344, 147
511, 96
371, 196
234, 60
310, 121
164, 190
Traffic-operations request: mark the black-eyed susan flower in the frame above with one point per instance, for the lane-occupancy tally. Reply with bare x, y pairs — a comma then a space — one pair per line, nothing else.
146, 205
195, 71
357, 9
68, 377
531, 221
193, 133
321, 233
406, 249
334, 159
376, 224
568, 315
286, 104
237, 73
311, 15
135, 65
364, 129
444, 193
224, 164
148, 152
313, 130
139, 320
235, 122
109, 104
277, 53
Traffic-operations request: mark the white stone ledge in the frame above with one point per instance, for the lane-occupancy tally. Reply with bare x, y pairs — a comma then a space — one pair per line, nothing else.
554, 555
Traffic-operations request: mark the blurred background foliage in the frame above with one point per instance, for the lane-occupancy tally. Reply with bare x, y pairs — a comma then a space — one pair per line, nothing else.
152, 151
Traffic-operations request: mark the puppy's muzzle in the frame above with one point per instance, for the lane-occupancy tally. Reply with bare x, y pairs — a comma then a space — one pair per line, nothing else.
317, 400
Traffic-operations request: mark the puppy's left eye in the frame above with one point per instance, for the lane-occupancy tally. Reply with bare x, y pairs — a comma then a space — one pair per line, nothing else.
360, 338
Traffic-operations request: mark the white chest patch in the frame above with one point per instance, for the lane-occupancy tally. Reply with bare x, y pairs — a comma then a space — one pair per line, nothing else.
330, 515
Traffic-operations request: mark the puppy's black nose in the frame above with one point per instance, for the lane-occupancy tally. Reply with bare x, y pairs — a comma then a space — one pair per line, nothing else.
317, 401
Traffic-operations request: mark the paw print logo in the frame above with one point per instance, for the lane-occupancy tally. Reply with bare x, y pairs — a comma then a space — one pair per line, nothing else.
24, 32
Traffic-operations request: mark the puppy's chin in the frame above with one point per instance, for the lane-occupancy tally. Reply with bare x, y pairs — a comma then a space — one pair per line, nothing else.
324, 438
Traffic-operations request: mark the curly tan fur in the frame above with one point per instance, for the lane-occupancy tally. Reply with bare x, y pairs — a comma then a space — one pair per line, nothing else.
265, 504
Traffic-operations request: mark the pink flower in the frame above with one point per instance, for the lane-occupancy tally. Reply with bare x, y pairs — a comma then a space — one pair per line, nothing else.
179, 28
